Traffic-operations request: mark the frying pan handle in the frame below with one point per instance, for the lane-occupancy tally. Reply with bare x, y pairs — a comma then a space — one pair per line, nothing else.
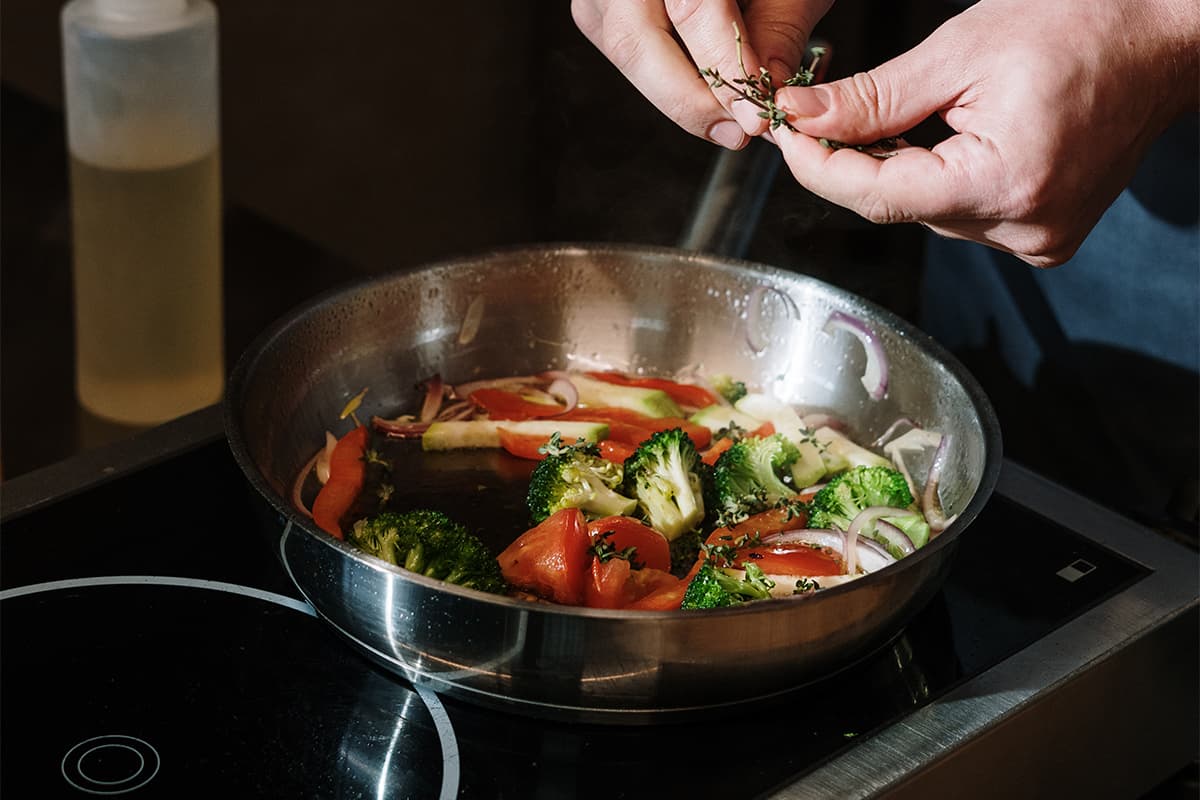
727, 212
739, 181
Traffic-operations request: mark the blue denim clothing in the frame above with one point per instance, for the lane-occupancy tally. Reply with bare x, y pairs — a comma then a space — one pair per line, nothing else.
1105, 350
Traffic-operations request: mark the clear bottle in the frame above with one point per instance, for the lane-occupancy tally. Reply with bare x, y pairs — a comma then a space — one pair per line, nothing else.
143, 133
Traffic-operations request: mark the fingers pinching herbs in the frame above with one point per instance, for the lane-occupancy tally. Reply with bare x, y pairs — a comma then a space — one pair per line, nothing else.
639, 39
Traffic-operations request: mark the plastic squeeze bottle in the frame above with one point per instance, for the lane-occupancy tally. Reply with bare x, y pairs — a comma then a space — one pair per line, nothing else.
143, 135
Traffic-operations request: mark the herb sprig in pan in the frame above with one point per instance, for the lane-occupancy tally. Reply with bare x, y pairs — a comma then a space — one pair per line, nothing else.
759, 90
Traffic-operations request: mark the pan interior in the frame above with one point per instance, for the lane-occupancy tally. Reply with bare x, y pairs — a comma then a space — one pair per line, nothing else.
657, 312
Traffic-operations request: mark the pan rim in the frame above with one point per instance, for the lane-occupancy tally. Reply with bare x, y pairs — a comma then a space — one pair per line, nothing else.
246, 361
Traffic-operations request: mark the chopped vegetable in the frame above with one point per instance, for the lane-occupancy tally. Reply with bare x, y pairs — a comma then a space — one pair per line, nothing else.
552, 559
576, 476
486, 433
747, 478
621, 533
664, 475
685, 394
850, 493
713, 587
729, 389
746, 499
651, 402
347, 472
431, 544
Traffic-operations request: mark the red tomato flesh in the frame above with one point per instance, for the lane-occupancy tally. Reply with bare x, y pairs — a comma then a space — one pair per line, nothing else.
773, 520
552, 559
791, 559
652, 548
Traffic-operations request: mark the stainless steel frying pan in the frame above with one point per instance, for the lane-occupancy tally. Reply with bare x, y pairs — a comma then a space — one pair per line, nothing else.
664, 311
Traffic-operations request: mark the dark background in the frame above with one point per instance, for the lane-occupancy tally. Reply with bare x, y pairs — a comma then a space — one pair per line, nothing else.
388, 135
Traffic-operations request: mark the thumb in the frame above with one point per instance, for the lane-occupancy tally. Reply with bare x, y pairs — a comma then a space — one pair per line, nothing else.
885, 101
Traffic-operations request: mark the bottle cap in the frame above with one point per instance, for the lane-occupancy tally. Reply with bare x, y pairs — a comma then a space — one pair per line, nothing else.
141, 10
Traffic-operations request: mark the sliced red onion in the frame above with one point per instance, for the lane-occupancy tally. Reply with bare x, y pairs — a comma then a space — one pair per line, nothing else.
872, 556
895, 537
910, 442
868, 554
322, 459
822, 537
891, 430
875, 375
755, 337
400, 428
931, 503
464, 390
298, 484
434, 390
457, 410
866, 519
564, 390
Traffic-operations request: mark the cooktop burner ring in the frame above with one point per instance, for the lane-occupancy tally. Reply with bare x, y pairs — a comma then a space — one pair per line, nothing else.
79, 762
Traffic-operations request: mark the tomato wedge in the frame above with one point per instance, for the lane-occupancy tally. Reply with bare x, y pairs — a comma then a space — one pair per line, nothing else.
773, 520
606, 584
652, 548
615, 584
668, 595
617, 417
501, 404
347, 472
522, 445
552, 559
795, 558
686, 394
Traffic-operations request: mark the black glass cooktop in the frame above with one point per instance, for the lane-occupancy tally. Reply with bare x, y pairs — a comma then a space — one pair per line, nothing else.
152, 646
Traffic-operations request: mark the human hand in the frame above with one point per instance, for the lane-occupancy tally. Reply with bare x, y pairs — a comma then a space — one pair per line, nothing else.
1053, 105
657, 45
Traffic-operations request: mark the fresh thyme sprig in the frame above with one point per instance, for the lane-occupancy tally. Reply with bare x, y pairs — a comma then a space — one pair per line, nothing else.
759, 90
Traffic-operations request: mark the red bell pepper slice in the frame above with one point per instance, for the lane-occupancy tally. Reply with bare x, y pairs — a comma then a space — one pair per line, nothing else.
347, 472
522, 445
622, 423
615, 451
501, 404
686, 394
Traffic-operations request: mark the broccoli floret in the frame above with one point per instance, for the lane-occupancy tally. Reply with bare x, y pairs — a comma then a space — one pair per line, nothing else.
715, 588
840, 500
576, 476
747, 478
430, 543
665, 474
728, 388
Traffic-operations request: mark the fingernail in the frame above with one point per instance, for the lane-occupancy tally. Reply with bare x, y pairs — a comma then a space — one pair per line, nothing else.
727, 133
747, 116
802, 102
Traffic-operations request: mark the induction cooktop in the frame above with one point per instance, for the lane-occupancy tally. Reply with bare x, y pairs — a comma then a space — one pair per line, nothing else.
153, 646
